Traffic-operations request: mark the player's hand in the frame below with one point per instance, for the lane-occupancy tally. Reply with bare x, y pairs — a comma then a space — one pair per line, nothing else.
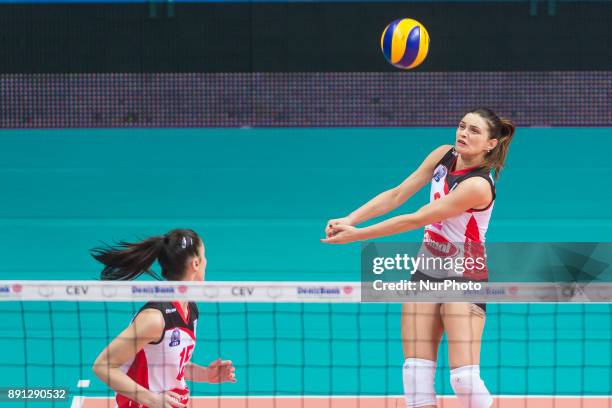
343, 233
220, 371
170, 399
330, 227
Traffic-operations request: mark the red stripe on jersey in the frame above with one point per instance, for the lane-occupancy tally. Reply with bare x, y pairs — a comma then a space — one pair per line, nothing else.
473, 210
139, 372
181, 312
474, 249
472, 233
461, 172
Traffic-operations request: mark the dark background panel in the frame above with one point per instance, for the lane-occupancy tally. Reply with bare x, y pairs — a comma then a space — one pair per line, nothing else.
277, 37
298, 99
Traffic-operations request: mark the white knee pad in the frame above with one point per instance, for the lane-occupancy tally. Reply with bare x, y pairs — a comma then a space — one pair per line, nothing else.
469, 387
418, 377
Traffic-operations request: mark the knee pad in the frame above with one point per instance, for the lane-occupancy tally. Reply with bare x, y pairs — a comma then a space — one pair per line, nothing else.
469, 387
418, 376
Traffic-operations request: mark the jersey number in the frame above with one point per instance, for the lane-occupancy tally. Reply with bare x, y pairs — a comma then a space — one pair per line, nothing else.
185, 356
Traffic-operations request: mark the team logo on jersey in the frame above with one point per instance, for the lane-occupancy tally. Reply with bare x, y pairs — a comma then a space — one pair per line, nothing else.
437, 245
439, 173
175, 338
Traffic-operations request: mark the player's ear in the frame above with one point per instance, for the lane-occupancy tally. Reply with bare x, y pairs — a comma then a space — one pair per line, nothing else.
491, 144
195, 262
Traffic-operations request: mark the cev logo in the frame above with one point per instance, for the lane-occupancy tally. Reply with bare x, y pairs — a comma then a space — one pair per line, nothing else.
77, 290
242, 290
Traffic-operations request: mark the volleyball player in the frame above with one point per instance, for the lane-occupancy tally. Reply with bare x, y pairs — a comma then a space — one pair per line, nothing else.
461, 201
147, 364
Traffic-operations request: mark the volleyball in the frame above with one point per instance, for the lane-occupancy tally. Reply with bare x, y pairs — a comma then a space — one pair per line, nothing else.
405, 43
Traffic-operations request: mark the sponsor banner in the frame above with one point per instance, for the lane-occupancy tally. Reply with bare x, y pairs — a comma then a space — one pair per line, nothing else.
93, 290
237, 292
376, 290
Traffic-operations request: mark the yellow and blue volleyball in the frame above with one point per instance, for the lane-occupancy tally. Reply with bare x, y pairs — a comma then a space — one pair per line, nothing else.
405, 43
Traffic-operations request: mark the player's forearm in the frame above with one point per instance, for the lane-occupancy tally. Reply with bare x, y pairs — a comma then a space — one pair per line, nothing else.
392, 226
195, 372
379, 205
124, 385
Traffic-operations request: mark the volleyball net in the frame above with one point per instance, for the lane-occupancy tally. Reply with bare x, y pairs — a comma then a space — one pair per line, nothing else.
297, 344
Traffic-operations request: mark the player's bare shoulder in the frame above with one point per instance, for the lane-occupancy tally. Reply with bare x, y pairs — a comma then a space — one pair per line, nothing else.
478, 188
440, 151
435, 157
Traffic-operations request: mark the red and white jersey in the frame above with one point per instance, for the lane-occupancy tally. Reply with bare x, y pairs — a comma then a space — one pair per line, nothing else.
160, 366
460, 236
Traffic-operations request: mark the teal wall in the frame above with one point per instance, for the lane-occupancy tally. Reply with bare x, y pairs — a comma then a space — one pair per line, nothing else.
260, 198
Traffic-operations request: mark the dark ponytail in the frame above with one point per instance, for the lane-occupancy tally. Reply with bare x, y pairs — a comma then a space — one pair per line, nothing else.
127, 261
501, 129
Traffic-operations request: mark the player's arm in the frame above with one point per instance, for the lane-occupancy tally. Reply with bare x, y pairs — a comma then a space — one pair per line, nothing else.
391, 199
474, 192
148, 326
218, 371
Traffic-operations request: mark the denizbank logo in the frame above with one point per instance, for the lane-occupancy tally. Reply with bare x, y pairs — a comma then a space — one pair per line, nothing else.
152, 290
318, 291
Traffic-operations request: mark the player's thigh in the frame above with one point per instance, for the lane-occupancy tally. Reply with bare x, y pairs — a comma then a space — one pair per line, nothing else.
463, 324
421, 330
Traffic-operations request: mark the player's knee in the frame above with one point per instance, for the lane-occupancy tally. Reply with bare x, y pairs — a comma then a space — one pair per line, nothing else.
418, 376
469, 387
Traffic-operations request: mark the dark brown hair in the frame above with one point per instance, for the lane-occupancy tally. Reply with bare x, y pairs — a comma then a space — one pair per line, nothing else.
127, 261
501, 129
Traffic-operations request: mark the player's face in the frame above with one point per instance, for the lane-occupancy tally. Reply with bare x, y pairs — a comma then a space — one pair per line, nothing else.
472, 137
202, 266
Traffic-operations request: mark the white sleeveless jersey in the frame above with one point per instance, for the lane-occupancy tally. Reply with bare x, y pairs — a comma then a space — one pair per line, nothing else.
160, 366
462, 236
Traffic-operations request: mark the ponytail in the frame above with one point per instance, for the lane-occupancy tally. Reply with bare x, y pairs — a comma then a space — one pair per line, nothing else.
127, 261
501, 129
497, 158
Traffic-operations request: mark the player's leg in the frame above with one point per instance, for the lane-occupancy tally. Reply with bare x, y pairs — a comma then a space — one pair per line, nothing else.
421, 334
464, 324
